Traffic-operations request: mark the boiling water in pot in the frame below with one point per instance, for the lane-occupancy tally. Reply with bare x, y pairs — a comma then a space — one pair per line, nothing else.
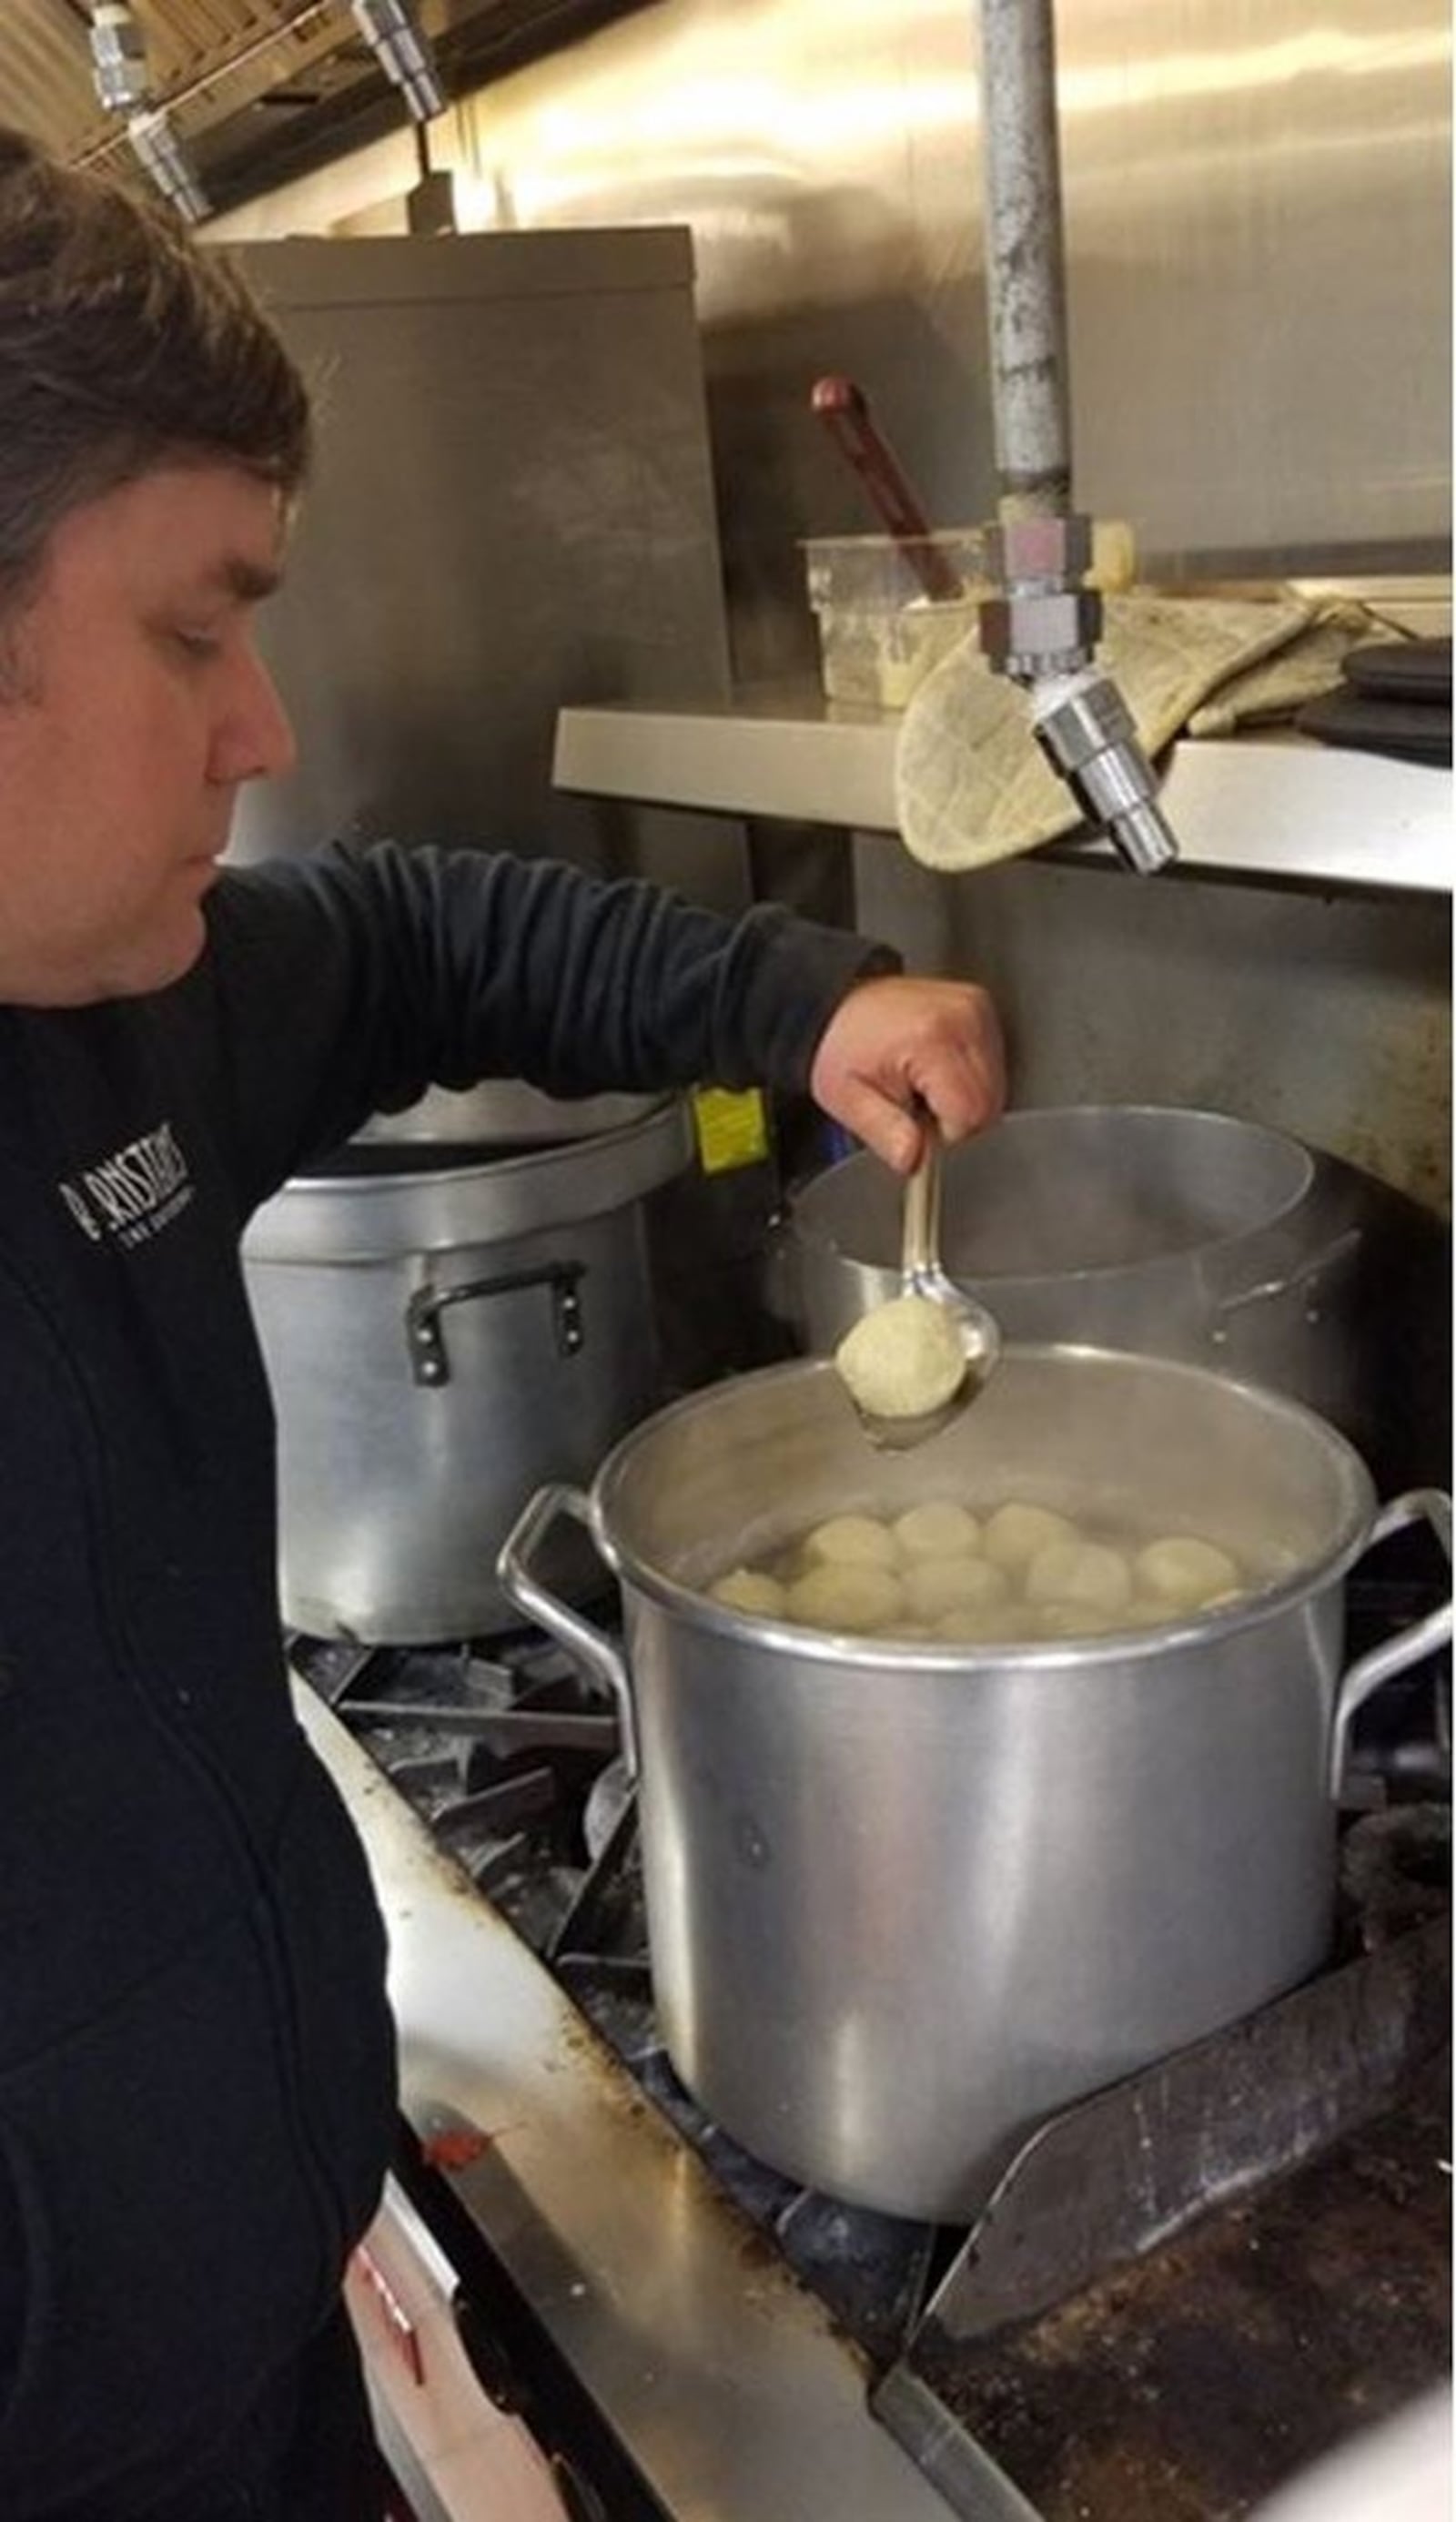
1009, 1572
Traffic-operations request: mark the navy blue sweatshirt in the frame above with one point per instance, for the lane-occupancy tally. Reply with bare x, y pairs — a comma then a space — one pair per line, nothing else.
196, 2083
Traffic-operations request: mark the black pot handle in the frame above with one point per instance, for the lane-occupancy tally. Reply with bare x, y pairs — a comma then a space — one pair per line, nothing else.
424, 1331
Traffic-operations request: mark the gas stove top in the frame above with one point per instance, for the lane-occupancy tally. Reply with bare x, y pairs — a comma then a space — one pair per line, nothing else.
1180, 2292
512, 1762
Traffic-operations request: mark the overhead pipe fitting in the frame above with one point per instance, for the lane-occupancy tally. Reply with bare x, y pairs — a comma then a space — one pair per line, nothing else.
403, 50
1042, 628
119, 58
124, 84
160, 152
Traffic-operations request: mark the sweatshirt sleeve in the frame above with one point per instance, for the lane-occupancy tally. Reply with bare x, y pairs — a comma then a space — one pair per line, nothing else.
348, 983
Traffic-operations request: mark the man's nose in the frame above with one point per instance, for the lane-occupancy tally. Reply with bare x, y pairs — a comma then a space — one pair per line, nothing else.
252, 738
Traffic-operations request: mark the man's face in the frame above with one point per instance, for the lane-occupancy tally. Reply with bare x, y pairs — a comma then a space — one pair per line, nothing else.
133, 706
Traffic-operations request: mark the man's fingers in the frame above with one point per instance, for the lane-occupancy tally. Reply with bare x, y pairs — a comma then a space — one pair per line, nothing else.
898, 1047
960, 1069
893, 1134
963, 1090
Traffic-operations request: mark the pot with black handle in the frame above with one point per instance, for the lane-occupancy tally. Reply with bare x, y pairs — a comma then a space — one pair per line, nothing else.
445, 1326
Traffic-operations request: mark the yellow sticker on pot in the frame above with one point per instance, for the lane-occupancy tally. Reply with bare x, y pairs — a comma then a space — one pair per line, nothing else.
732, 1128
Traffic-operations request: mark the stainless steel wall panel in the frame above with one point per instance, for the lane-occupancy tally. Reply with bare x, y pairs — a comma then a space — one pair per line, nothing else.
1258, 230
512, 500
1260, 202
1327, 1017
1258, 234
45, 76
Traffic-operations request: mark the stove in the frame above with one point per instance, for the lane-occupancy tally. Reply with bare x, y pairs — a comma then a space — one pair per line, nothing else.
1181, 2292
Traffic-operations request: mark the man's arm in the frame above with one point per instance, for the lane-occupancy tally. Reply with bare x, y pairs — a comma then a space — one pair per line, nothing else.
351, 982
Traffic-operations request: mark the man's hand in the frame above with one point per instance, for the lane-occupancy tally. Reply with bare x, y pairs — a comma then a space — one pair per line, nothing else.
897, 1043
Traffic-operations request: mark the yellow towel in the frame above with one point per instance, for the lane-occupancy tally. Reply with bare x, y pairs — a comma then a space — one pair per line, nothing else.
971, 785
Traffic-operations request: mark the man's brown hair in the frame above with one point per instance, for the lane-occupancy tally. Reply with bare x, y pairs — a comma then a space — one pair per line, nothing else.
122, 348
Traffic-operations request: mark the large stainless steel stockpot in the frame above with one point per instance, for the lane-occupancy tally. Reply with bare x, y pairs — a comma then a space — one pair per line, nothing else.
904, 1900
1169, 1232
439, 1342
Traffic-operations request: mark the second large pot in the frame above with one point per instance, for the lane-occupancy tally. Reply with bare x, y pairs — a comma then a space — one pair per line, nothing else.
906, 1899
1169, 1232
441, 1339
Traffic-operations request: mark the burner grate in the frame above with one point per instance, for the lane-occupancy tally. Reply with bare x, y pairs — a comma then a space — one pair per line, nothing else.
496, 1747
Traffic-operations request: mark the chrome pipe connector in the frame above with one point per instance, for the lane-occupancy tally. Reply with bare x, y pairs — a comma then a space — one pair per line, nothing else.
119, 58
1043, 621
403, 51
160, 153
1031, 634
124, 83
1085, 728
1040, 550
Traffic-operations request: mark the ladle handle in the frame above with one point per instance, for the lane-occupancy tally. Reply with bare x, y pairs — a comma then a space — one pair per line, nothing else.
921, 1250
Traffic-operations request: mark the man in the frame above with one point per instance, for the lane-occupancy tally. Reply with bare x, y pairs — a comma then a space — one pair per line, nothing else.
195, 2068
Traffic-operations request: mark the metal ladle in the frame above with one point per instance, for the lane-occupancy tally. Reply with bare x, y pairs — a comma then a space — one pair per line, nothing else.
921, 1275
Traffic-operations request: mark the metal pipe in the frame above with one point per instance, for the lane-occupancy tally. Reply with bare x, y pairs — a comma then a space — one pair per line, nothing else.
1026, 273
1043, 627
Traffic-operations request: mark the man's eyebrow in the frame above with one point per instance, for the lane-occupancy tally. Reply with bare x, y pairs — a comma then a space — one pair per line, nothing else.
250, 581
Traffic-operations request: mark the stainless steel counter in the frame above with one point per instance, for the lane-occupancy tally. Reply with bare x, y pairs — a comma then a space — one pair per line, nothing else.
1273, 807
721, 2378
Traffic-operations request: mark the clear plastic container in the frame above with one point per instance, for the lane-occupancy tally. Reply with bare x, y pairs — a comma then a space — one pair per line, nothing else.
879, 630
880, 627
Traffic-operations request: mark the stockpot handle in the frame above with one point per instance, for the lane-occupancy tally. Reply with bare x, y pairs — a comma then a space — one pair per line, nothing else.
1423, 1637
424, 1325
1305, 1274
579, 1637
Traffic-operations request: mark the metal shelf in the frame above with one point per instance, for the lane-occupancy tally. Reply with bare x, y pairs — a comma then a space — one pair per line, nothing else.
1276, 807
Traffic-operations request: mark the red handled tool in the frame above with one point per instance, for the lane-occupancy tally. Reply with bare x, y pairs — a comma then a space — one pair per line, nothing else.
845, 413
